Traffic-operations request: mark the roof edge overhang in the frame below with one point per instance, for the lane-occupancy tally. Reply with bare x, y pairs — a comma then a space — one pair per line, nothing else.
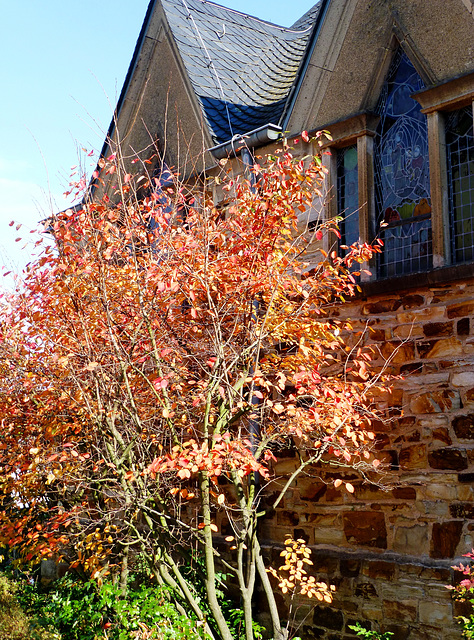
93, 183
128, 77
294, 92
253, 139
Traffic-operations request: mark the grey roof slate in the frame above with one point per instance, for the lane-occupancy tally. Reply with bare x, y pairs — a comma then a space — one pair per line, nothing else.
308, 19
241, 68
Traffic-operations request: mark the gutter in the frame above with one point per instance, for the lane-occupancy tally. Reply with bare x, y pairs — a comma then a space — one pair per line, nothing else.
295, 90
253, 139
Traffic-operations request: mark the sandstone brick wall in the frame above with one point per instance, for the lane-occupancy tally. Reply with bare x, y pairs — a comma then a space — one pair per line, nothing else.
400, 542
404, 596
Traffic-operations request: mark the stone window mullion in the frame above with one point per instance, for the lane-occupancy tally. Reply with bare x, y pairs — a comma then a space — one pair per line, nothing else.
329, 160
439, 190
365, 157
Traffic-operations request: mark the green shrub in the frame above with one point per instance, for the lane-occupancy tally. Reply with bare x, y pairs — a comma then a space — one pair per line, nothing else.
146, 608
74, 609
69, 606
80, 610
15, 624
370, 635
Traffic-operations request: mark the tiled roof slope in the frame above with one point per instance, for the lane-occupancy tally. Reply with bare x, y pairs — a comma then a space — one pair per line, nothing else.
241, 68
308, 19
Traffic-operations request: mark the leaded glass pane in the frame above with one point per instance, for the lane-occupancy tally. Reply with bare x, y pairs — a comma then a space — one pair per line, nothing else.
402, 180
460, 160
348, 194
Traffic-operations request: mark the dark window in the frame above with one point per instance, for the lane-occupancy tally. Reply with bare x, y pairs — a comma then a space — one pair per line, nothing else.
460, 162
401, 171
348, 194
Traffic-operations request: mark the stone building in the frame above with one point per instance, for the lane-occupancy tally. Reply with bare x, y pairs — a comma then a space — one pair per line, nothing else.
393, 81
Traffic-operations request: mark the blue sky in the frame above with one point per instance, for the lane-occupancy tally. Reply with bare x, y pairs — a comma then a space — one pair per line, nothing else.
63, 65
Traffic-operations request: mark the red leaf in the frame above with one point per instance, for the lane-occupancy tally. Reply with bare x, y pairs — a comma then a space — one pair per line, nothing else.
160, 383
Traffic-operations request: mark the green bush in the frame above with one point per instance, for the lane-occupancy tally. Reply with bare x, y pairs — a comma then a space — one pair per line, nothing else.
74, 609
15, 624
370, 635
146, 607
69, 606
80, 610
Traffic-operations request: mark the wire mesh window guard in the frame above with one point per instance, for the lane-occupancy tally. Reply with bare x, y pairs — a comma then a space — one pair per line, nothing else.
460, 163
407, 246
401, 172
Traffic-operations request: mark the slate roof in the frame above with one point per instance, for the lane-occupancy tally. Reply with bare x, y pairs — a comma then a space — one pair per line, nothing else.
308, 19
241, 68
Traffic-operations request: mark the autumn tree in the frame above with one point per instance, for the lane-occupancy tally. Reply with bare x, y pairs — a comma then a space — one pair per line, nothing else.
153, 364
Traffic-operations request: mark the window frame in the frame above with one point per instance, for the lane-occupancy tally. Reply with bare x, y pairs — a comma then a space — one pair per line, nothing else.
360, 129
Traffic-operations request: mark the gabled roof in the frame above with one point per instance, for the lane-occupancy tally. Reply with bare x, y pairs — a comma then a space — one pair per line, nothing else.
242, 69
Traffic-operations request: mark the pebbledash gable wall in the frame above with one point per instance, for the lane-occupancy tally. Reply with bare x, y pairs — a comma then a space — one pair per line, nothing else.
389, 552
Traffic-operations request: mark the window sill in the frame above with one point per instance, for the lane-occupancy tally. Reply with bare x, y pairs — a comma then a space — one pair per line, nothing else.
431, 278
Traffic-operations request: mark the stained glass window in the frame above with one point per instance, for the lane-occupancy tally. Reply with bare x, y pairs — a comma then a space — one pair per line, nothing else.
401, 171
348, 194
460, 161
